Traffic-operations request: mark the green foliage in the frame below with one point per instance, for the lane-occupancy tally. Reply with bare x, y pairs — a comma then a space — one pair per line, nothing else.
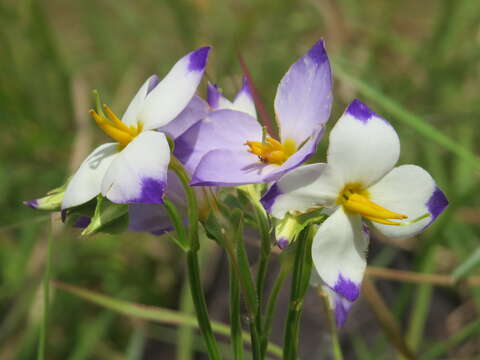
415, 63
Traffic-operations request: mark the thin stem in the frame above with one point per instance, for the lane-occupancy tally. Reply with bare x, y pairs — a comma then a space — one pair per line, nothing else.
336, 348
266, 245
46, 300
272, 301
246, 279
198, 294
235, 314
181, 238
301, 276
265, 249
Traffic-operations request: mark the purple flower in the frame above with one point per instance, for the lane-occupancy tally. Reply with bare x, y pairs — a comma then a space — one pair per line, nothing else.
227, 147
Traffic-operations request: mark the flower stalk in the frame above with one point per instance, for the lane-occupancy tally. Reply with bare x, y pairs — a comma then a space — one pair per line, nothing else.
300, 280
194, 278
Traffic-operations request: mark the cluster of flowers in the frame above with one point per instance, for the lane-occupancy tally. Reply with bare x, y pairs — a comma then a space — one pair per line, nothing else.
221, 143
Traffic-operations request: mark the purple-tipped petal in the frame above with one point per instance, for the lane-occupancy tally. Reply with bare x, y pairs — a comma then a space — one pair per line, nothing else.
362, 151
304, 96
341, 310
339, 251
31, 203
360, 111
268, 199
346, 288
174, 92
411, 191
152, 83
221, 130
139, 172
198, 59
437, 203
215, 98
244, 100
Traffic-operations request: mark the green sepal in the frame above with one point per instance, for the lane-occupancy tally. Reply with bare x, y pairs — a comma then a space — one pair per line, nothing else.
214, 230
52, 201
108, 218
71, 215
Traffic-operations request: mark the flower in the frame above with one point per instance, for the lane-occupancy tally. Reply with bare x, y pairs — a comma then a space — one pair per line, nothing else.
230, 146
359, 184
133, 169
152, 217
190, 151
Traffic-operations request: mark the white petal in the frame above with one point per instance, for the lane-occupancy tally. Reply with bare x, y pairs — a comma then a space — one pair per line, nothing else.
244, 100
411, 191
363, 146
86, 182
139, 172
338, 251
130, 117
301, 189
175, 90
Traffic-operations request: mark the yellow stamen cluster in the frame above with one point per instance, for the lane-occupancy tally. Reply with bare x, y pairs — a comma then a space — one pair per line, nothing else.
355, 199
115, 128
272, 151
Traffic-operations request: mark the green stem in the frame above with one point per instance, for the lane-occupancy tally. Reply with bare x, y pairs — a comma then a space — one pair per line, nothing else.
300, 280
181, 237
235, 314
336, 348
246, 280
272, 301
46, 300
198, 294
265, 250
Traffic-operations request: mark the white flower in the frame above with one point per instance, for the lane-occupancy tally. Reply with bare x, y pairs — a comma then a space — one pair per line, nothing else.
358, 185
133, 169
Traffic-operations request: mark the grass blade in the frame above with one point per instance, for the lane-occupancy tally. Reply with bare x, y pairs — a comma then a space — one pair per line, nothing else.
153, 313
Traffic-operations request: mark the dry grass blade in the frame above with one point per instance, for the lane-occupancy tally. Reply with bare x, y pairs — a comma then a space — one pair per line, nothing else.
386, 319
419, 278
262, 110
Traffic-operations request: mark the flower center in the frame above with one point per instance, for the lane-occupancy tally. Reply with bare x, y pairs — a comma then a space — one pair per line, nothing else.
272, 151
115, 128
355, 199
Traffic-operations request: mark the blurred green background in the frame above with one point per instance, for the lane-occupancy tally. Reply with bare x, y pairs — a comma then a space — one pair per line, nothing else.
414, 62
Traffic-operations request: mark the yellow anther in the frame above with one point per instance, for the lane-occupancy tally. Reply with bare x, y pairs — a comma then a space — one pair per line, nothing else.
356, 200
115, 128
272, 151
116, 134
116, 121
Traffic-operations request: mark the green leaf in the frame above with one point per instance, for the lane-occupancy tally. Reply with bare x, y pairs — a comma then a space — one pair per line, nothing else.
465, 268
108, 217
153, 313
